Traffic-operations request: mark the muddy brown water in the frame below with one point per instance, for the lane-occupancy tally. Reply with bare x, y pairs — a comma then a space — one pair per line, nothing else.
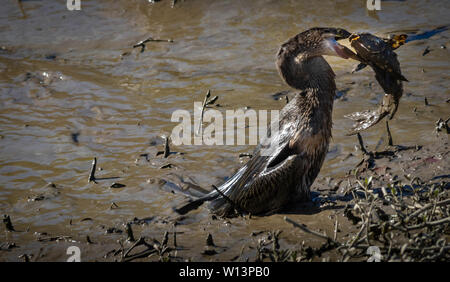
73, 88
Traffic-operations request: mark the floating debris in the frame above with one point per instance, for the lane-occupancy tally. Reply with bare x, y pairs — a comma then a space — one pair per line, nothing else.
167, 166
88, 239
8, 223
117, 185
150, 39
115, 230
74, 137
25, 257
50, 56
246, 155
145, 155
442, 125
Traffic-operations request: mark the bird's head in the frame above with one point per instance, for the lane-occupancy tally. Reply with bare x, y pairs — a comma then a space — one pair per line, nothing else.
300, 58
320, 41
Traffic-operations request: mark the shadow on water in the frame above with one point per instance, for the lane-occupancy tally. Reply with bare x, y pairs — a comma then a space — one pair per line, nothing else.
426, 34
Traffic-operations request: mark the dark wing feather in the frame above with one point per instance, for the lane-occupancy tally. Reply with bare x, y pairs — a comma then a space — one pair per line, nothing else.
264, 159
255, 183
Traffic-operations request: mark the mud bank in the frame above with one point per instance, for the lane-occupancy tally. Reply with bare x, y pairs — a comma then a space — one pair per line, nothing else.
393, 206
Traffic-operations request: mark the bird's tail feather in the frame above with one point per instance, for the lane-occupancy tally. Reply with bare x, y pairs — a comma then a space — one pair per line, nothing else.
222, 207
220, 201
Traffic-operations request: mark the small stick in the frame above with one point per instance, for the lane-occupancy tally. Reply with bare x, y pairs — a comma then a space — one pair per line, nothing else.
363, 227
361, 144
129, 230
166, 148
8, 223
205, 101
139, 242
429, 223
368, 221
165, 239
304, 228
19, 2
146, 253
92, 174
25, 257
245, 155
335, 229
150, 39
212, 101
88, 239
209, 240
390, 142
174, 237
426, 207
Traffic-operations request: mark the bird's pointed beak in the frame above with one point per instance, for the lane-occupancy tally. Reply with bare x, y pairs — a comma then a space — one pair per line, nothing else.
333, 48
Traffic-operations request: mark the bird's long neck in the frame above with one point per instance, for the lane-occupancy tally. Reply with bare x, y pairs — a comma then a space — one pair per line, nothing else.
310, 73
302, 71
321, 86
319, 91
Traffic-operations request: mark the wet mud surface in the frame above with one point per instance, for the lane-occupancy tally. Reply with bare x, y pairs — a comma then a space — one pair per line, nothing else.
73, 88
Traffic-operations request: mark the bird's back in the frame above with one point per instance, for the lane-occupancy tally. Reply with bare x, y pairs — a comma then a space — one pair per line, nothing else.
288, 166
